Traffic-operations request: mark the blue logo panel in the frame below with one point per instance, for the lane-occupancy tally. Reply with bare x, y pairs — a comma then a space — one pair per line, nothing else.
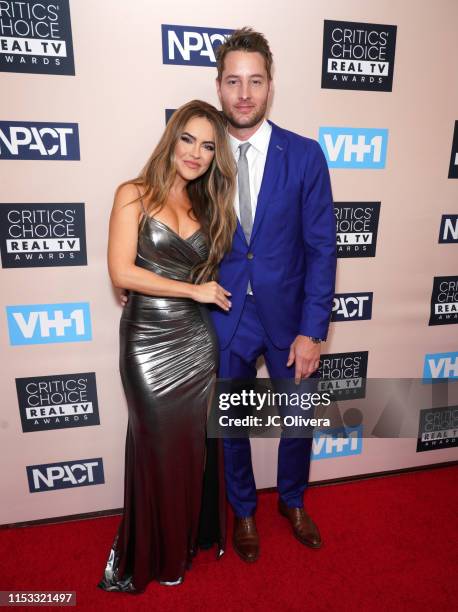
49, 323
354, 147
30, 140
190, 45
337, 442
440, 366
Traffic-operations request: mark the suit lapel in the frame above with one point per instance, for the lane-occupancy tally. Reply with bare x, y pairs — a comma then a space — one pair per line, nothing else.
274, 164
239, 231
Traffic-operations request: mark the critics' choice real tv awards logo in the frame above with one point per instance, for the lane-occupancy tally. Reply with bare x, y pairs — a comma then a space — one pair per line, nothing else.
343, 375
58, 401
438, 428
35, 141
352, 306
65, 475
357, 228
440, 366
363, 148
34, 235
49, 323
36, 37
453, 169
191, 45
358, 56
444, 301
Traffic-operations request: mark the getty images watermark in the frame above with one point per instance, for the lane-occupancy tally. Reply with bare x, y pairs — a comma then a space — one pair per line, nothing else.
272, 408
265, 401
426, 409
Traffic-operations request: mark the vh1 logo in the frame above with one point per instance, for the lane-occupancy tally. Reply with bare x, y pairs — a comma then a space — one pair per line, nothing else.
440, 366
338, 442
354, 147
49, 323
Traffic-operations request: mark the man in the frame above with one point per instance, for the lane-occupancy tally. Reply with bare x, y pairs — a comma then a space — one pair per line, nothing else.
280, 272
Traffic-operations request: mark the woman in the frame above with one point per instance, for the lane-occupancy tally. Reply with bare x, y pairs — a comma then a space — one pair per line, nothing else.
169, 229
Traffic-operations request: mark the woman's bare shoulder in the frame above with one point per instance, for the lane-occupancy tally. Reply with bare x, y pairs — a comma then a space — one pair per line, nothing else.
128, 193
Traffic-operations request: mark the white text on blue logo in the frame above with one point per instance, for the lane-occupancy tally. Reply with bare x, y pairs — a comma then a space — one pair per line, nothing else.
338, 442
191, 45
354, 147
440, 365
47, 323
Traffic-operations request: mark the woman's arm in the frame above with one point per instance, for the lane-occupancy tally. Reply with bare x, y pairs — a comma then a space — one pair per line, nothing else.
122, 251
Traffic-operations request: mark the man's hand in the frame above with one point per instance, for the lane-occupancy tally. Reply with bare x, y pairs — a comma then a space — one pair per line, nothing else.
306, 355
124, 297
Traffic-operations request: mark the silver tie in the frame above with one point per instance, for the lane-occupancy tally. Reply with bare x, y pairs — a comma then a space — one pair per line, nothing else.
246, 214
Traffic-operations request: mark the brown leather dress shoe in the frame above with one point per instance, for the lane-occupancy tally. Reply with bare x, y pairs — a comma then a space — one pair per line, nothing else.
245, 539
304, 528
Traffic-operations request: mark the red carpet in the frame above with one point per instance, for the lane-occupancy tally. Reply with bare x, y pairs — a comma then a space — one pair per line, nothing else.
389, 544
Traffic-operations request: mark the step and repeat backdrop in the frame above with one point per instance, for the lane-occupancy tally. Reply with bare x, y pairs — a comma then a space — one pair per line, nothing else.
86, 90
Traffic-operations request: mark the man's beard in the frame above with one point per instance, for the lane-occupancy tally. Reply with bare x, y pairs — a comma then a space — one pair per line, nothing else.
251, 123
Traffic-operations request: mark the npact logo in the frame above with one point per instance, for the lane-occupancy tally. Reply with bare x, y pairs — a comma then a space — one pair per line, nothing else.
354, 147
48, 323
30, 140
190, 45
352, 306
453, 168
448, 231
65, 474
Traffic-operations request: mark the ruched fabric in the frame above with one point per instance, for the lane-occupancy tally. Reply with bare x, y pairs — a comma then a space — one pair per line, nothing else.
168, 364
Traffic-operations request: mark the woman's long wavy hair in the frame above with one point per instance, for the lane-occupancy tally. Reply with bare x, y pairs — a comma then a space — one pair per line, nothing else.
211, 195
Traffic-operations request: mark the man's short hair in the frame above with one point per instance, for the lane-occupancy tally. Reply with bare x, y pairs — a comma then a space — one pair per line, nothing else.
245, 39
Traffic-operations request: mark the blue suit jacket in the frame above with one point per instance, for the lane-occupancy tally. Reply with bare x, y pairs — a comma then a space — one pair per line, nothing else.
291, 258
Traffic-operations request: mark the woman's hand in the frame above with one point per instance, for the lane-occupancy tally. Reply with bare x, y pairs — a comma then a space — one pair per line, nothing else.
212, 293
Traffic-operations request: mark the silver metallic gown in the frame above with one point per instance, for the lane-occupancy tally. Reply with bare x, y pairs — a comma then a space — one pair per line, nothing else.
168, 361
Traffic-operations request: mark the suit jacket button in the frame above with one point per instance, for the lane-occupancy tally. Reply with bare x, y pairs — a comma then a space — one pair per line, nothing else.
250, 255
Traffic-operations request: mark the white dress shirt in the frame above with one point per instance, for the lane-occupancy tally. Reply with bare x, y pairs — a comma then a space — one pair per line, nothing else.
256, 157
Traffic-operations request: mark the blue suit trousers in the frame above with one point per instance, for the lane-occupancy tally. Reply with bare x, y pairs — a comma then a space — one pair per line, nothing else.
238, 360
